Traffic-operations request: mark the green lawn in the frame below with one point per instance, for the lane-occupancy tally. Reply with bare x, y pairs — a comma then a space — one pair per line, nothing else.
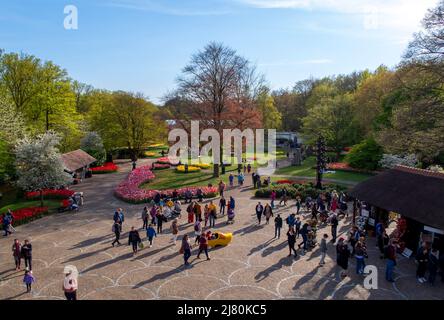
51, 204
306, 170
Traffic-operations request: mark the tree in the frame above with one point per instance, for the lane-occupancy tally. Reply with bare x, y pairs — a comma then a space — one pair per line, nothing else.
44, 171
12, 128
271, 117
92, 144
365, 155
333, 119
221, 88
126, 120
427, 47
19, 75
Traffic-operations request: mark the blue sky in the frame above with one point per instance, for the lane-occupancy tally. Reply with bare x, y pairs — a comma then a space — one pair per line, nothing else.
142, 45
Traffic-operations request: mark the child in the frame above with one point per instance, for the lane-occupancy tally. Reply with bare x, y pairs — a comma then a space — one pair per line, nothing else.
28, 279
150, 233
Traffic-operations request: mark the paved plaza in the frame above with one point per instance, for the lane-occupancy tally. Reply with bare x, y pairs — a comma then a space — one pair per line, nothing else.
253, 266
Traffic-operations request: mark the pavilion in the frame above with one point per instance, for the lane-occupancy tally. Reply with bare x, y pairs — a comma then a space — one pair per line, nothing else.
416, 195
77, 162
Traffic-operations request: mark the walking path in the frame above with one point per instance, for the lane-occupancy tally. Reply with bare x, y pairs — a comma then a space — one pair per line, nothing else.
254, 266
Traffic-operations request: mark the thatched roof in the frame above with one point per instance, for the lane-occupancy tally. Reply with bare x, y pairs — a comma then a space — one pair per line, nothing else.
415, 193
77, 159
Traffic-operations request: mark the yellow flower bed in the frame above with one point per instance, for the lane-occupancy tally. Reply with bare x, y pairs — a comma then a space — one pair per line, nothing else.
202, 165
181, 169
150, 154
156, 145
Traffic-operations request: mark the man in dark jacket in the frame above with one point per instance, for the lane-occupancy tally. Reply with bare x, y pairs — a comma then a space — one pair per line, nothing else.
277, 226
259, 212
116, 229
27, 254
334, 227
134, 239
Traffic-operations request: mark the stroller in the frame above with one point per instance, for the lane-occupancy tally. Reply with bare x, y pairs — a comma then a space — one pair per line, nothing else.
230, 215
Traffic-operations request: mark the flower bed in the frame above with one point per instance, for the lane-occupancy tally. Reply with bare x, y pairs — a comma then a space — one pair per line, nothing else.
160, 166
181, 169
129, 191
202, 165
108, 167
164, 160
150, 154
343, 166
49, 194
302, 190
25, 215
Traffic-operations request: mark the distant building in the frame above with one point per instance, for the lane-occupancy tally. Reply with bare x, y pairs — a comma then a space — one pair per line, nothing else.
283, 139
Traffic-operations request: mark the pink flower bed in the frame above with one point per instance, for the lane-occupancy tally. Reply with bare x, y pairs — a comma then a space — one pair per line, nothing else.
129, 191
339, 166
50, 193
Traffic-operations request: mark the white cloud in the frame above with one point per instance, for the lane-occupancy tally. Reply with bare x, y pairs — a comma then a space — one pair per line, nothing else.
402, 15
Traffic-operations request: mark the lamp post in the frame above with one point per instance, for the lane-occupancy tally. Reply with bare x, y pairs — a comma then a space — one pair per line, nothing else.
320, 161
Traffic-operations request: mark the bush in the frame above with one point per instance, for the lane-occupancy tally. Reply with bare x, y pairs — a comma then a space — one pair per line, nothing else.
365, 155
389, 161
302, 190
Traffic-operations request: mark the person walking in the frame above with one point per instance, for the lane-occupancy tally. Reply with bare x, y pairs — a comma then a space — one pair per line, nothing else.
117, 229
240, 179
422, 258
203, 246
153, 214
221, 188
199, 194
222, 205
291, 239
254, 179
186, 249
433, 265
390, 254
298, 204
231, 180
360, 257
28, 280
273, 198
334, 227
175, 230
197, 230
145, 218
277, 226
213, 214
343, 254
7, 224
284, 196
304, 234
70, 285
17, 253
121, 217
268, 213
197, 210
134, 239
232, 203
259, 212
27, 254
190, 212
160, 220
150, 234
297, 226
323, 248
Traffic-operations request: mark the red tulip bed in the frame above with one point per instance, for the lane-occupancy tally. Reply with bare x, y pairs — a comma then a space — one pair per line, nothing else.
129, 191
108, 167
291, 182
25, 215
49, 194
164, 160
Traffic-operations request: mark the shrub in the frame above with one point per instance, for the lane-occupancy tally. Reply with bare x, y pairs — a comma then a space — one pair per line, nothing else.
302, 190
389, 161
365, 155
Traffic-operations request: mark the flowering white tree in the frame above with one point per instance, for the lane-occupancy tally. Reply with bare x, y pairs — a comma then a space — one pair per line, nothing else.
92, 143
389, 161
38, 163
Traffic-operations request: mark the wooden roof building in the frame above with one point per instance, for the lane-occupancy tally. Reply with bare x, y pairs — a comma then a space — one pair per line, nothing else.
414, 193
77, 160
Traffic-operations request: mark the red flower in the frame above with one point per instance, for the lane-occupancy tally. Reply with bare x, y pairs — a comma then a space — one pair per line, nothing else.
106, 168
50, 193
26, 214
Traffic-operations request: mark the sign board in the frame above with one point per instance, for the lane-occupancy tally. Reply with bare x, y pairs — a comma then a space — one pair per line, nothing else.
371, 222
365, 213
